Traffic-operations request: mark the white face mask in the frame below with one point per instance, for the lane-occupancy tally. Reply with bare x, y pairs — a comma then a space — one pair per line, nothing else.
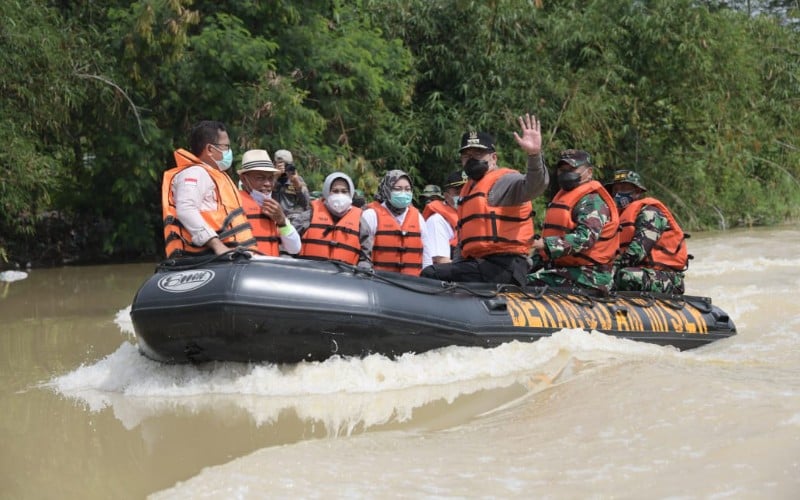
338, 203
260, 197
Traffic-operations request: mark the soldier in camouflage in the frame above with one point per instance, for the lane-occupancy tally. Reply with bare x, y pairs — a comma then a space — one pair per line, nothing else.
580, 239
653, 248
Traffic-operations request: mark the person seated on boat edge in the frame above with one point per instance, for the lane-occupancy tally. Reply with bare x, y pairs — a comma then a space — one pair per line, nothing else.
290, 189
336, 228
200, 203
272, 229
397, 236
653, 248
495, 213
441, 219
580, 238
430, 193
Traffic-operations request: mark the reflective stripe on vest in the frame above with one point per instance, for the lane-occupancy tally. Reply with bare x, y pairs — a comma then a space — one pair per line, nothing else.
487, 230
328, 240
268, 238
397, 249
558, 222
228, 220
670, 251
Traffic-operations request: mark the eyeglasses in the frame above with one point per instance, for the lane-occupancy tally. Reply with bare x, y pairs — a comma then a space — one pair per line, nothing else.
222, 147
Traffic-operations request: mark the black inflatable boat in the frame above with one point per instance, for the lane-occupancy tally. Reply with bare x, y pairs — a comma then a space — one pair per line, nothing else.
281, 310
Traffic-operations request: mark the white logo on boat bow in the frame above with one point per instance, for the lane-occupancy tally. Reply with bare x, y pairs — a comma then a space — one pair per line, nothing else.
185, 281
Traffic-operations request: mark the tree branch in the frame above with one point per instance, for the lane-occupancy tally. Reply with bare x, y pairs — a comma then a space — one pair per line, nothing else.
133, 106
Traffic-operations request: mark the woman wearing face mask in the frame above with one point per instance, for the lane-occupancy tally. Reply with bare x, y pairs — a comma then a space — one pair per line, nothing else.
272, 229
441, 219
495, 212
201, 208
580, 238
397, 236
335, 229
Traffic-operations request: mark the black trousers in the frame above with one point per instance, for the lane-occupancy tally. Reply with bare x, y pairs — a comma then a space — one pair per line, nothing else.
498, 268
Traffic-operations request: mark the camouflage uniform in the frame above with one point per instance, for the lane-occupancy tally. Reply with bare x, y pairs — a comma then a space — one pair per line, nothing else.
591, 214
296, 205
628, 275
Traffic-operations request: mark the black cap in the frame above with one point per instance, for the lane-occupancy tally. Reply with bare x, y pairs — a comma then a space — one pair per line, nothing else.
455, 179
477, 140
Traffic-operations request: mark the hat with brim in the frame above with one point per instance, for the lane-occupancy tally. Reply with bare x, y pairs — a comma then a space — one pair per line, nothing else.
629, 176
256, 160
432, 191
284, 155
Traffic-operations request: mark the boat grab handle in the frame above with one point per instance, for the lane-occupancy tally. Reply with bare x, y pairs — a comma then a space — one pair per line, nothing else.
496, 304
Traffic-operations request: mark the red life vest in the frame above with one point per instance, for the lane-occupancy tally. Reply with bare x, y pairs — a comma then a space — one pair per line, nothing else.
487, 230
268, 238
449, 213
558, 222
328, 240
228, 220
670, 250
397, 249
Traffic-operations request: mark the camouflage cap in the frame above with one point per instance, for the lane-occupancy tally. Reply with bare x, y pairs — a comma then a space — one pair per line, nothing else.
574, 158
628, 176
432, 191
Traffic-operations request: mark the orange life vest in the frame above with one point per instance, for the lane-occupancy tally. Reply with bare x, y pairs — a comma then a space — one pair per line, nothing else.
374, 204
670, 250
328, 240
397, 249
265, 230
449, 213
487, 230
558, 222
228, 220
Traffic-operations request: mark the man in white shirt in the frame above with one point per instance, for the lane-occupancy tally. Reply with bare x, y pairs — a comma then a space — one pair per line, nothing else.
201, 207
441, 219
272, 229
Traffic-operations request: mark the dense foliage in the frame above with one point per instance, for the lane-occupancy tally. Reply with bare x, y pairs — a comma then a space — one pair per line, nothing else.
700, 97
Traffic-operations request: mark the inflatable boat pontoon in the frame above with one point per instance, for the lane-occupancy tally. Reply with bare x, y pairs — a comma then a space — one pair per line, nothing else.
283, 310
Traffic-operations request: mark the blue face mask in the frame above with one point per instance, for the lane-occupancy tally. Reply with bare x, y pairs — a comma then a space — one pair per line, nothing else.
623, 199
401, 199
226, 161
456, 201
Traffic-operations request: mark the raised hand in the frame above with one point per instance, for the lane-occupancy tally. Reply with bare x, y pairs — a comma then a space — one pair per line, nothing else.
531, 138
